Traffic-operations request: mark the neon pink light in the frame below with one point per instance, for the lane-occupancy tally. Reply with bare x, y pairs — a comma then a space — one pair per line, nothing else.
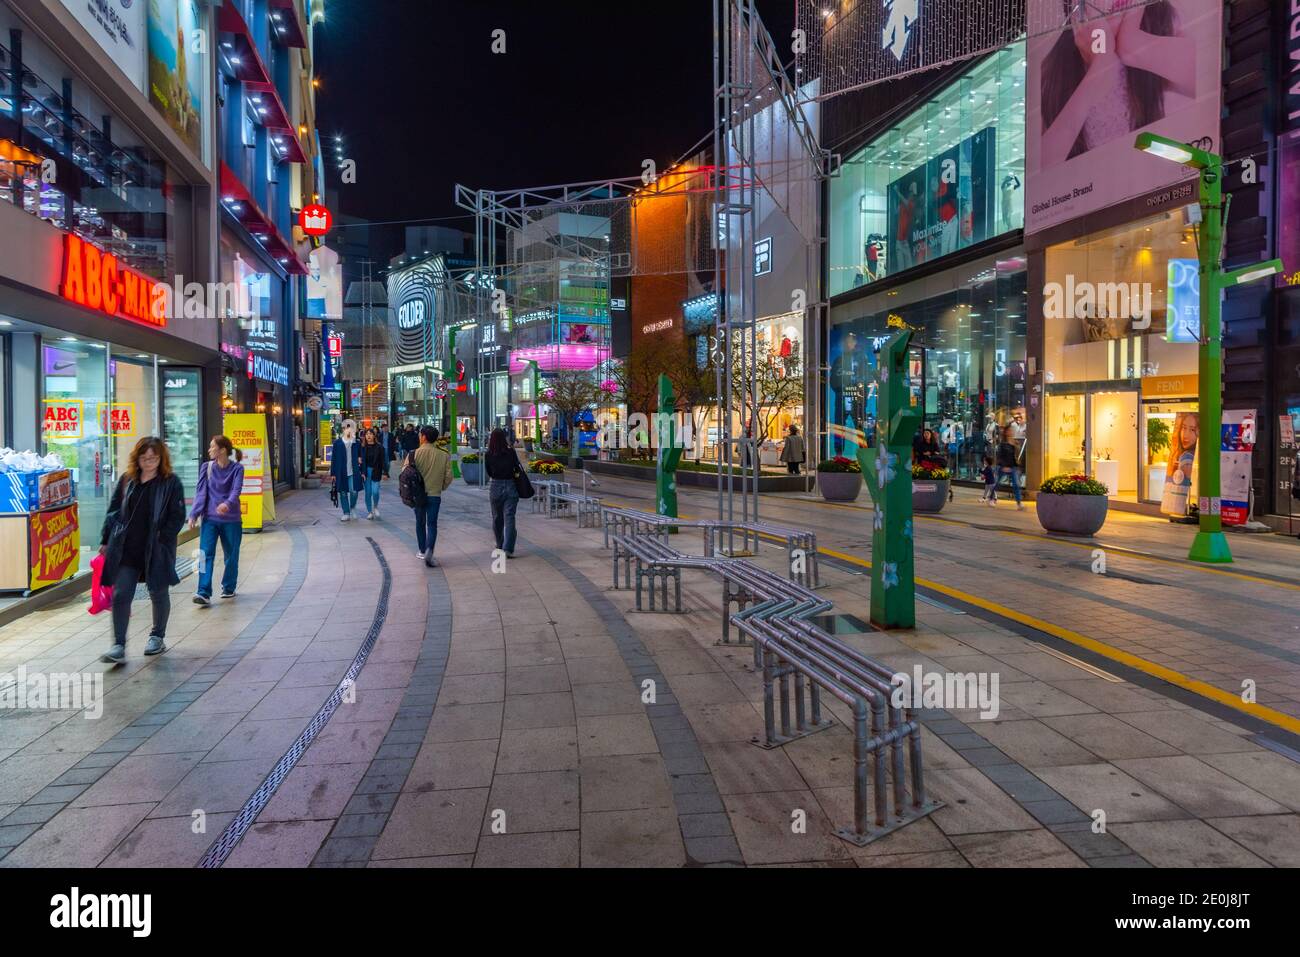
565, 356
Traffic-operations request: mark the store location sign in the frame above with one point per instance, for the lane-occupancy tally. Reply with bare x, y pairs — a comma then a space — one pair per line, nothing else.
94, 279
55, 546
315, 220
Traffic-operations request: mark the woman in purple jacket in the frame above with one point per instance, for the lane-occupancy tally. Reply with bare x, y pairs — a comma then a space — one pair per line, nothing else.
216, 502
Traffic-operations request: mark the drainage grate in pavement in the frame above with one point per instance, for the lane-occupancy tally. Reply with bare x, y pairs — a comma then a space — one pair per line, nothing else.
223, 846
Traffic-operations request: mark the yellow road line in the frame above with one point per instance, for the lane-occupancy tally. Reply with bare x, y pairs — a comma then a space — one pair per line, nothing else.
1269, 715
1119, 549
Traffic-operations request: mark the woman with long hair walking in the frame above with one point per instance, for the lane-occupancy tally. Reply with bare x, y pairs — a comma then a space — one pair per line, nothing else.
138, 542
216, 504
374, 463
502, 464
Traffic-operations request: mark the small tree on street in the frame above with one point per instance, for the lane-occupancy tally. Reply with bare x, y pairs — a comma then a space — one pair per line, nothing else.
569, 393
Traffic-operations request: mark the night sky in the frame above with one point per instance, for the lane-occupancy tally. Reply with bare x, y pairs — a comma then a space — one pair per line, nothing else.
586, 90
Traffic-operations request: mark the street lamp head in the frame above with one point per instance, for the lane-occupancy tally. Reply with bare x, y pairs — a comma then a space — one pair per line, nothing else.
1173, 150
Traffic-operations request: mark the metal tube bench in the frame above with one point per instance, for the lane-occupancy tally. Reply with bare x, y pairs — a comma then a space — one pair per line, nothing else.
585, 507
656, 560
796, 540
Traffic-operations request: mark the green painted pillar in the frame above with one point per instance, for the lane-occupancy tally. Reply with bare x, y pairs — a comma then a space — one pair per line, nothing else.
669, 452
887, 470
537, 405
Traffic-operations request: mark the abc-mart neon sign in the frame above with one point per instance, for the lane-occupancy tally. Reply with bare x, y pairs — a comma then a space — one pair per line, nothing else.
95, 279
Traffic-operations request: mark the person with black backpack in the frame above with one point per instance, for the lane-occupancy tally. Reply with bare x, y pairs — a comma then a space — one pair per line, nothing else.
434, 467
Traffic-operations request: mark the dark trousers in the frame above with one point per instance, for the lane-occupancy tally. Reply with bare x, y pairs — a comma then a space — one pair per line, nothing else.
426, 524
793, 467
124, 593
505, 499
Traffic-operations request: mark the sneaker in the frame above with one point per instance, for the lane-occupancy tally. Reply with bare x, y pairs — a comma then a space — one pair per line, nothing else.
115, 655
510, 554
430, 560
1020, 506
420, 555
202, 600
155, 645
376, 513
227, 593
370, 516
345, 517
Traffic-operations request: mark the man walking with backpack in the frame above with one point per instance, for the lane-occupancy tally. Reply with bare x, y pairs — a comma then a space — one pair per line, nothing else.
421, 484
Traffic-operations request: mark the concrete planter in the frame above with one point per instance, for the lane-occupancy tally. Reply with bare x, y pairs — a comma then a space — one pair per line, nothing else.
1071, 514
839, 486
469, 471
929, 495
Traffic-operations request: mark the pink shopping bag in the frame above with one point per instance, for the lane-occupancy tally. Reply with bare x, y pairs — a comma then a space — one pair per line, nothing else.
101, 595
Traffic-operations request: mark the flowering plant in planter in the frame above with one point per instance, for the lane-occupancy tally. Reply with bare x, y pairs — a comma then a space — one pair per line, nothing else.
1073, 484
839, 464
545, 467
934, 473
470, 458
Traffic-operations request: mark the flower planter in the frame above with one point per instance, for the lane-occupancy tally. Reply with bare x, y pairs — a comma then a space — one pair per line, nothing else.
839, 486
1071, 514
929, 495
469, 471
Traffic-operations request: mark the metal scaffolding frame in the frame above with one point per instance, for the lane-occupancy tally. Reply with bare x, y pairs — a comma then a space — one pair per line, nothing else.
765, 154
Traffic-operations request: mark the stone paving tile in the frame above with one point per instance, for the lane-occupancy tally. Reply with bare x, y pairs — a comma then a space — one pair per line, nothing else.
1199, 788
455, 765
628, 782
1264, 771
742, 768
140, 779
547, 710
545, 849
472, 689
607, 697
433, 824
533, 801
451, 860
257, 739
1274, 837
639, 838
168, 842
1108, 737
466, 722
314, 792
1018, 849
350, 743
215, 787
77, 837
1187, 732
607, 734
763, 825
279, 844
1034, 743
974, 804
1185, 844
1107, 788
23, 775
538, 749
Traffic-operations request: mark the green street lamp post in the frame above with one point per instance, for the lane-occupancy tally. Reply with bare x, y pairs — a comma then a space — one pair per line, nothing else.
1210, 544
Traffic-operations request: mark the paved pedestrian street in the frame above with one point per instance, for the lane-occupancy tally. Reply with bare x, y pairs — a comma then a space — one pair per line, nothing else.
351, 708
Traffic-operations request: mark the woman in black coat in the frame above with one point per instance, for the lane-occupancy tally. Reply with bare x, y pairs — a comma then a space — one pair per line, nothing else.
138, 542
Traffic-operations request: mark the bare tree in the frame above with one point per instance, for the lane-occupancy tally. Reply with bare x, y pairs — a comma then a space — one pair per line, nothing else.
779, 382
569, 393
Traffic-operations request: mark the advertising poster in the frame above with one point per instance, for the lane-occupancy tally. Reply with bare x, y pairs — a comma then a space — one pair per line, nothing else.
944, 205
1288, 226
54, 546
118, 27
1113, 71
848, 406
247, 432
1183, 301
176, 67
324, 284
1181, 471
1238, 442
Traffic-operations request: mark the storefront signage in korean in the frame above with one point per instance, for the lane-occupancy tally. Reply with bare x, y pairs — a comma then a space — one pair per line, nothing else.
54, 546
94, 279
63, 419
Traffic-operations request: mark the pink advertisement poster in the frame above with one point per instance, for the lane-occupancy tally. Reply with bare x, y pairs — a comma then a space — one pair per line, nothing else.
1115, 68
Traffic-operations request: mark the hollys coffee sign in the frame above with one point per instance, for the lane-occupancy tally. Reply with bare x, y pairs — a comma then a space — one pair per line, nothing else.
95, 279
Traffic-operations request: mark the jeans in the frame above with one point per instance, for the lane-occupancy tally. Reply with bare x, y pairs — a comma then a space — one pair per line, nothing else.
1015, 479
124, 593
347, 499
426, 524
372, 489
230, 534
504, 496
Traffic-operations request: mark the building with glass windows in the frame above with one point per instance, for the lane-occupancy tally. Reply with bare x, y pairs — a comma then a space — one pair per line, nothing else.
925, 222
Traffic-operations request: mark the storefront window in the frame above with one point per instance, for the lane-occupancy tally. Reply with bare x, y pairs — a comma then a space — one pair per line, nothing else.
946, 177
75, 389
967, 367
1121, 326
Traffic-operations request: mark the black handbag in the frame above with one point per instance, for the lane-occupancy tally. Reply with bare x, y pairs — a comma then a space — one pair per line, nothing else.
523, 485
334, 495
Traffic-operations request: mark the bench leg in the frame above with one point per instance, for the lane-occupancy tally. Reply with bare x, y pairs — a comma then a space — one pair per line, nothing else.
677, 579
638, 582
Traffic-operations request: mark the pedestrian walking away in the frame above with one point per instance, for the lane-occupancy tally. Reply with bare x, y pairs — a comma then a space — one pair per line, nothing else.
138, 542
216, 505
990, 478
502, 464
434, 466
792, 452
375, 466
347, 471
1008, 464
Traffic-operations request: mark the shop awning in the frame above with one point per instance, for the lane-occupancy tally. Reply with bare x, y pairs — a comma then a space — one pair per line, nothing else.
276, 119
286, 25
240, 47
239, 203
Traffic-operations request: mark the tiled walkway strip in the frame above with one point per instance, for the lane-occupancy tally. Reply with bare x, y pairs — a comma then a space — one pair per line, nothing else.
366, 815
25, 820
235, 831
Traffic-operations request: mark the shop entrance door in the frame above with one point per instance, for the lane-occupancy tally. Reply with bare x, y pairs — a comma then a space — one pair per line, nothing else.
1095, 434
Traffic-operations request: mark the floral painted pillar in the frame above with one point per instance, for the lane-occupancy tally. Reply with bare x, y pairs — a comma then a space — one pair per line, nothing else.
887, 469
669, 452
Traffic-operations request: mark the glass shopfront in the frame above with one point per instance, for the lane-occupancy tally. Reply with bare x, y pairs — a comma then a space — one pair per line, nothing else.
948, 176
967, 365
1121, 319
